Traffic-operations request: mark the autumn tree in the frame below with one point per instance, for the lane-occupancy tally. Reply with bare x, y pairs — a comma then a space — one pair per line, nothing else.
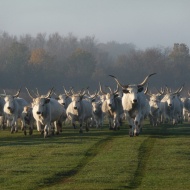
81, 63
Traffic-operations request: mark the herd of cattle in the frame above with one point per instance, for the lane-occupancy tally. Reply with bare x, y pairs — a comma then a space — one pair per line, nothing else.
132, 102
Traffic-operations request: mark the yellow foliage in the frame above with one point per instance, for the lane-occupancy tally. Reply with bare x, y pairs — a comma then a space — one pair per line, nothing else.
37, 56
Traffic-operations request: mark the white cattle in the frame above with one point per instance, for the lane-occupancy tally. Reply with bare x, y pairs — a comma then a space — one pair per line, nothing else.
154, 102
97, 113
47, 110
135, 105
171, 107
64, 100
13, 108
186, 108
112, 108
79, 110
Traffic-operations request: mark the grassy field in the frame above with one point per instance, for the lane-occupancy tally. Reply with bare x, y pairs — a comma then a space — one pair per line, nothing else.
101, 159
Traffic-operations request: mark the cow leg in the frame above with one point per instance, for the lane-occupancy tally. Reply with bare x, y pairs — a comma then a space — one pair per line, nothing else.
87, 126
38, 124
81, 128
47, 130
131, 125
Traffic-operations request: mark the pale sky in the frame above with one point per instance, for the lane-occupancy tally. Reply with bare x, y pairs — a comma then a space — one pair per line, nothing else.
145, 23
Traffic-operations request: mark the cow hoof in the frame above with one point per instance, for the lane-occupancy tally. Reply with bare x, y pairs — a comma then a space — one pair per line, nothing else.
57, 133
30, 132
25, 133
87, 129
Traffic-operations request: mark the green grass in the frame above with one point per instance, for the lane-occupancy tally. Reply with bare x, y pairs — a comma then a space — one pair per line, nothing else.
101, 159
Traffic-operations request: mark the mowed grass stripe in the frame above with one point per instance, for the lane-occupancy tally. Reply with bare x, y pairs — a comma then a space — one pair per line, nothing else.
143, 159
65, 177
168, 166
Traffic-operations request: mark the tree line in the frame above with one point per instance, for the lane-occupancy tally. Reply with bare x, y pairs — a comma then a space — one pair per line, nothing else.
46, 61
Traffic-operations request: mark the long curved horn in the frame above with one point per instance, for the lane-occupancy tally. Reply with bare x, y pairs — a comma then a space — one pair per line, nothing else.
161, 92
122, 86
117, 90
179, 90
29, 93
49, 93
4, 92
146, 91
145, 80
101, 89
37, 92
109, 89
17, 94
66, 92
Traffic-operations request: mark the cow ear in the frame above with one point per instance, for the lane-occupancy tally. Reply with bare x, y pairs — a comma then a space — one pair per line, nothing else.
47, 100
140, 89
125, 91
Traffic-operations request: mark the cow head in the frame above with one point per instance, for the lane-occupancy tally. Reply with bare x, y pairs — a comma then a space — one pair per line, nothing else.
170, 96
133, 89
96, 107
40, 102
110, 96
9, 106
76, 99
62, 99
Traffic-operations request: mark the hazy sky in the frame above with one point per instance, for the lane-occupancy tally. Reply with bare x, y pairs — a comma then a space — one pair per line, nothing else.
145, 23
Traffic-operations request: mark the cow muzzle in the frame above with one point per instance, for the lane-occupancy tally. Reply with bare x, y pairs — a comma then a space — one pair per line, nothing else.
39, 113
75, 108
10, 109
135, 101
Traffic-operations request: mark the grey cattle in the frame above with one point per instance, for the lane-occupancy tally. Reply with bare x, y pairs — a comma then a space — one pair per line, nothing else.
47, 111
135, 105
79, 110
28, 120
2, 114
13, 108
112, 108
171, 107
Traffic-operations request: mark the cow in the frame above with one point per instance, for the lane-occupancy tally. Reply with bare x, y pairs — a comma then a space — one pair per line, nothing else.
186, 108
135, 104
47, 111
13, 108
171, 107
154, 102
27, 119
79, 110
2, 114
97, 114
112, 108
